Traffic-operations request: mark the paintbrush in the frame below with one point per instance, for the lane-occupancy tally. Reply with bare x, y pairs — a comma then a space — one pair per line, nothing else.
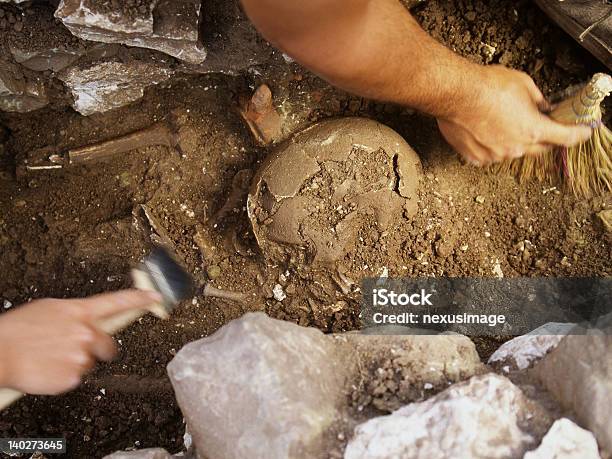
158, 272
586, 167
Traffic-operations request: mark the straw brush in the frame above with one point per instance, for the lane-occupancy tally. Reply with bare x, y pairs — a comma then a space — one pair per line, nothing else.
586, 167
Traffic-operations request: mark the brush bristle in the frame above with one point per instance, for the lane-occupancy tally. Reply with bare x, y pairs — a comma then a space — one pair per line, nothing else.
168, 276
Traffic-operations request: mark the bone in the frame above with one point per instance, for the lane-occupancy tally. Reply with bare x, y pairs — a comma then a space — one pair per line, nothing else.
214, 292
157, 134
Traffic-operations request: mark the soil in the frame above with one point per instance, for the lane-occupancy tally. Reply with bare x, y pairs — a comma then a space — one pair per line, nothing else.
76, 231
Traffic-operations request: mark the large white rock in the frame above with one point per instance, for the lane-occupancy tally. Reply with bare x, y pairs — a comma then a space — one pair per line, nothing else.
259, 388
475, 419
169, 26
523, 351
565, 440
579, 374
103, 86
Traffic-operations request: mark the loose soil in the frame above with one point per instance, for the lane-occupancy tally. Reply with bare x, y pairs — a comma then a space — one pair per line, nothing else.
77, 231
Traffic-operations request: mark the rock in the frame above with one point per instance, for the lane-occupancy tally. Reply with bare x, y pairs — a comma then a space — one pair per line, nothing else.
406, 368
479, 418
54, 59
20, 92
317, 191
261, 116
103, 86
259, 388
565, 440
150, 453
523, 351
579, 374
169, 26
45, 45
606, 219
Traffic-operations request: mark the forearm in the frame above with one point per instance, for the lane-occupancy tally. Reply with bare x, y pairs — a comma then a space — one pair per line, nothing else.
373, 48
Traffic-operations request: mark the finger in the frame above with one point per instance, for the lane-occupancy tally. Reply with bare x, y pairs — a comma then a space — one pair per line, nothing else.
556, 133
103, 346
108, 304
536, 94
82, 359
463, 144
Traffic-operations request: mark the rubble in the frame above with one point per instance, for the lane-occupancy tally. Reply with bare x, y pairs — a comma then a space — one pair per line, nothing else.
523, 351
579, 374
407, 368
20, 92
479, 418
169, 26
258, 388
565, 440
103, 86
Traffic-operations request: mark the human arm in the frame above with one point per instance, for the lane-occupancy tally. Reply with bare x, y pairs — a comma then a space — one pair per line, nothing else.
376, 49
47, 345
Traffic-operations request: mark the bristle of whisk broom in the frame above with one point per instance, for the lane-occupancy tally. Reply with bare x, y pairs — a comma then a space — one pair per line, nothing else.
587, 168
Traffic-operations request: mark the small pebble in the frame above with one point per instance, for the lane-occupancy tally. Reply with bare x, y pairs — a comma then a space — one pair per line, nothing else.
480, 199
279, 294
7, 304
213, 271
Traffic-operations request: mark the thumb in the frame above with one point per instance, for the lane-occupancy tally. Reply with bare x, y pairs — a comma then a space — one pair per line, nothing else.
555, 133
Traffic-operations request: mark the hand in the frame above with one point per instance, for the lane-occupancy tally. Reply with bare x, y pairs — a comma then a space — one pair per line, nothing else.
47, 345
506, 120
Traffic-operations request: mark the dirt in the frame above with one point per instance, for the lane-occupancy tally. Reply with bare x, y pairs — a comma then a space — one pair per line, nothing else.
77, 231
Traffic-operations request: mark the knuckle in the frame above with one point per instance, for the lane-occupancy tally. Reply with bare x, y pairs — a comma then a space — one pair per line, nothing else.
84, 334
533, 135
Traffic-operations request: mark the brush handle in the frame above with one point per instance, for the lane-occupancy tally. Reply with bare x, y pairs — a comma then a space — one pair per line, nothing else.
110, 325
592, 94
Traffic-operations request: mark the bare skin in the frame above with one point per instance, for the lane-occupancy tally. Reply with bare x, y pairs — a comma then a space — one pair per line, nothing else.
48, 345
375, 48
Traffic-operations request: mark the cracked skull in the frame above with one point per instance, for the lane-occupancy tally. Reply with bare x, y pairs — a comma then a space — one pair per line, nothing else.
319, 191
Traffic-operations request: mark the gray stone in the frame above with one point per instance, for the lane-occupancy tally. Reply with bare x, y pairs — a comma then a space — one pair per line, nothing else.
18, 92
103, 86
523, 351
565, 440
579, 374
150, 453
259, 388
169, 26
479, 418
54, 59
